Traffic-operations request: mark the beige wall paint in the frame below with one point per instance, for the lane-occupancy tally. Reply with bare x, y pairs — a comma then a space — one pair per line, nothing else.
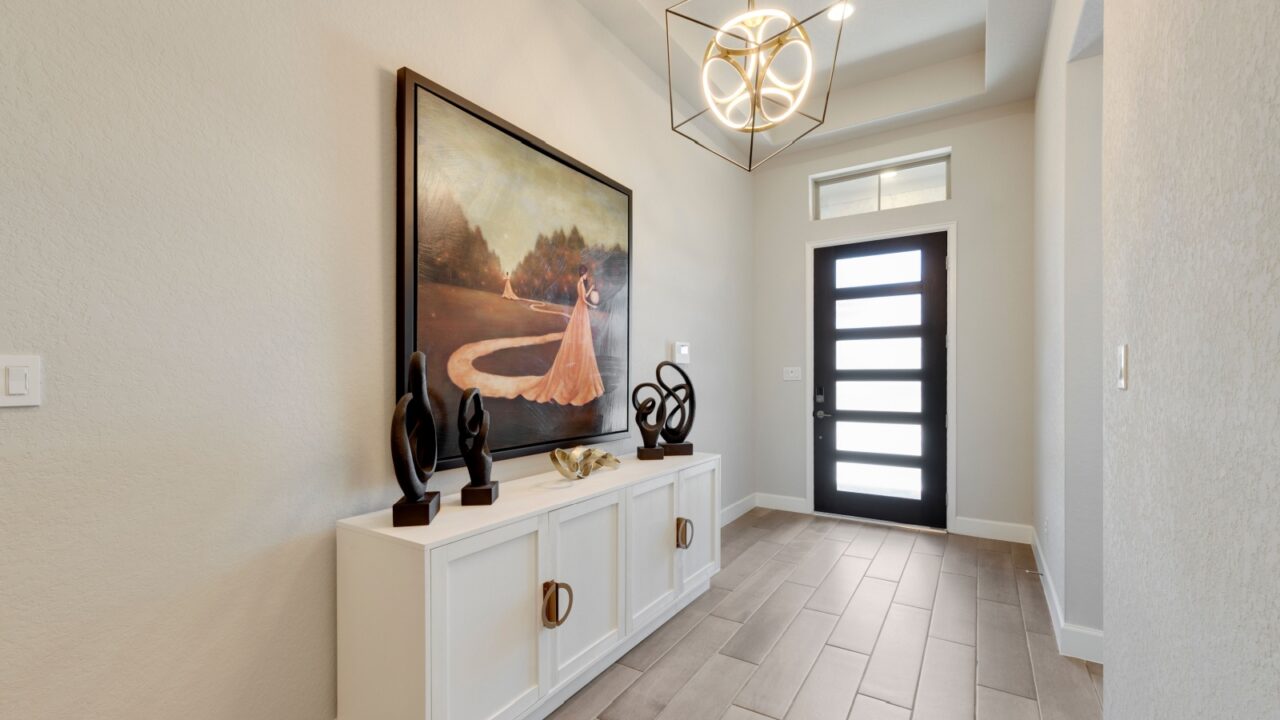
1084, 380
198, 236
1069, 351
991, 180
1191, 216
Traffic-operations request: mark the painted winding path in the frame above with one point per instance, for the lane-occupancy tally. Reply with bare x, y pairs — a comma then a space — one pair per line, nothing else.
462, 370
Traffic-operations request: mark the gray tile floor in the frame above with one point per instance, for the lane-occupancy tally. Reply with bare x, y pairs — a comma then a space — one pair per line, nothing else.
820, 619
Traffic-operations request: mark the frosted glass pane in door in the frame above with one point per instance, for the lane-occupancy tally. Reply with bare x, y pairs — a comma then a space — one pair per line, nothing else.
884, 311
875, 396
889, 438
884, 354
887, 480
886, 269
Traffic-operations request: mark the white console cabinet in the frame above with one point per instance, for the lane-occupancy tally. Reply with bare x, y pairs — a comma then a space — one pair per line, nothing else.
504, 611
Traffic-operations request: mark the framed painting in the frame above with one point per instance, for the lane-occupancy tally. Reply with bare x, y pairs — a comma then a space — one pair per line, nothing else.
514, 275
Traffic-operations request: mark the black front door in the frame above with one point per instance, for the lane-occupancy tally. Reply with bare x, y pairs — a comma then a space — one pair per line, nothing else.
880, 379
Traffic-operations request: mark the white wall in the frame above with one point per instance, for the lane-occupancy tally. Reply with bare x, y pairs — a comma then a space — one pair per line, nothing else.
1068, 322
1191, 217
991, 177
1082, 329
199, 237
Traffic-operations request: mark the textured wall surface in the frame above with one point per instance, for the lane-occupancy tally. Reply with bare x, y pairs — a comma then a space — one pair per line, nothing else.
1084, 380
197, 233
1050, 296
1191, 217
991, 180
1068, 324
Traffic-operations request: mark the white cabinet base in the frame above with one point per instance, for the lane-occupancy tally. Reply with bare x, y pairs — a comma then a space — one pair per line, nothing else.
447, 621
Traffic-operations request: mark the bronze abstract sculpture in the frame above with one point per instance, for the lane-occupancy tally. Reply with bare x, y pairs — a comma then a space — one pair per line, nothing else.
577, 463
473, 444
413, 450
649, 430
679, 420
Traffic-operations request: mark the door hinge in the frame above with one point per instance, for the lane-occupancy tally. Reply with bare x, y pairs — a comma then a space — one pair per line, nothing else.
947, 260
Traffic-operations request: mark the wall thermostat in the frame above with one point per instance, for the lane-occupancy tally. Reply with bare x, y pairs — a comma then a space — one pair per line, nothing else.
680, 353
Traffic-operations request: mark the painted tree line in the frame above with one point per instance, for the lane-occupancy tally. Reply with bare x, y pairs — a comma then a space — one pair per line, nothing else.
455, 252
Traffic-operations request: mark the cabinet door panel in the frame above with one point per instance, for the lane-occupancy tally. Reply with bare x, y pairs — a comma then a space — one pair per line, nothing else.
587, 542
700, 503
652, 577
487, 647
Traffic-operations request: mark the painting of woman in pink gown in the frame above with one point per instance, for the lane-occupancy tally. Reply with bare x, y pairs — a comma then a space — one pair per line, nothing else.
573, 378
522, 284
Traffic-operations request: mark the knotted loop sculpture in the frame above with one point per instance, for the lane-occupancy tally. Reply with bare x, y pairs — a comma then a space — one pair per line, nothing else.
681, 404
655, 407
413, 450
473, 444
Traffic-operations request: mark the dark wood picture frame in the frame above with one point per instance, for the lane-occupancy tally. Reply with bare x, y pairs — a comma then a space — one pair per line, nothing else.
408, 82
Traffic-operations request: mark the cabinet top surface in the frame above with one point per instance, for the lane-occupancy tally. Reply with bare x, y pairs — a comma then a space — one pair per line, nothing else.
518, 499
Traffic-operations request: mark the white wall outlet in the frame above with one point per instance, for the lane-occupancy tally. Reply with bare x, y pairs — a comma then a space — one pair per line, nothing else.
791, 373
681, 353
1122, 367
21, 381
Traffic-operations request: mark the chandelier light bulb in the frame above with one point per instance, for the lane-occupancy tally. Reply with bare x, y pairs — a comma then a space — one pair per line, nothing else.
743, 52
841, 11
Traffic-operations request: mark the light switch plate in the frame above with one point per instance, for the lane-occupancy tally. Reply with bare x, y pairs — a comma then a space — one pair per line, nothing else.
1122, 361
681, 353
791, 374
21, 382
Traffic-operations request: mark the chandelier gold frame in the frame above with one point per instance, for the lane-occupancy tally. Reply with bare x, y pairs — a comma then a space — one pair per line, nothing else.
747, 83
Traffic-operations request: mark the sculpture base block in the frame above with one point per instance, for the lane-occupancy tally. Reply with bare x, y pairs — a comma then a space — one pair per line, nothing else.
480, 494
684, 448
405, 513
650, 453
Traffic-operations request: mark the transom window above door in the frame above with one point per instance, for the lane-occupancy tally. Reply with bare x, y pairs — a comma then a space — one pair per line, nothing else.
882, 186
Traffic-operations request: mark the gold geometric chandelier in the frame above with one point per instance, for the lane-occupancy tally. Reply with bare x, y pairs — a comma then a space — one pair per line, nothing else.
747, 82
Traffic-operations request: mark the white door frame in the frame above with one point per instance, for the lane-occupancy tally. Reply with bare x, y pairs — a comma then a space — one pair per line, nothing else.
952, 264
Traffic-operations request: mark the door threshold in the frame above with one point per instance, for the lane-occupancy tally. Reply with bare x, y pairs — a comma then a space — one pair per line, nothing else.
885, 523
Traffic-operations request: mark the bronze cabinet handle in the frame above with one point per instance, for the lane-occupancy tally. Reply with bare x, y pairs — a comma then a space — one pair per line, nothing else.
567, 588
684, 533
550, 614
551, 617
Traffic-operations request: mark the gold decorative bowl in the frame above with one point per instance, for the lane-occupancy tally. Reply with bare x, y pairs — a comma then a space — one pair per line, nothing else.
577, 463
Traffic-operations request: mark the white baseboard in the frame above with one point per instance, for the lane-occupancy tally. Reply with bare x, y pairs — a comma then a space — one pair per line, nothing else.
1077, 641
992, 529
782, 502
737, 510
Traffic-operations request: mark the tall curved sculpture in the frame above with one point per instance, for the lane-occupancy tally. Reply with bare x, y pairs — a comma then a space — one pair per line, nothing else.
413, 450
681, 404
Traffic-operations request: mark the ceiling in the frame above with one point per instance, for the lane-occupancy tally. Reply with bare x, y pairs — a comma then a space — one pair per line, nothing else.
900, 61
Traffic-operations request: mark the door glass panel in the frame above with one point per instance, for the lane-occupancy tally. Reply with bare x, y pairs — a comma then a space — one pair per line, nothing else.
882, 354
899, 267
889, 438
886, 311
888, 480
889, 396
